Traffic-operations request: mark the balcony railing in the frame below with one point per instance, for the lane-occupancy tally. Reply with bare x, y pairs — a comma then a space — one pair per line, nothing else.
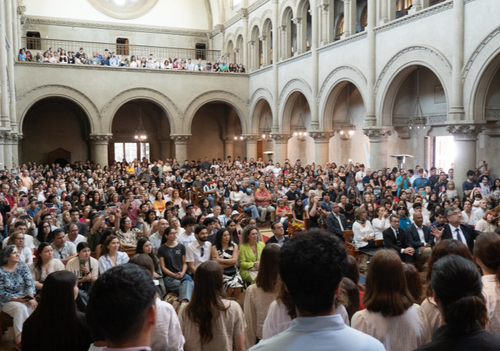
41, 44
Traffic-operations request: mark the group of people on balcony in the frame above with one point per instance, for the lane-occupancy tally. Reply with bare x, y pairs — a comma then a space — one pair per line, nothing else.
134, 61
196, 228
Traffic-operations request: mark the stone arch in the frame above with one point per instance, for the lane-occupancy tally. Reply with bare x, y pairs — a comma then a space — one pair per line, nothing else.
238, 32
171, 110
331, 88
285, 104
257, 114
398, 69
27, 99
230, 99
283, 8
267, 15
255, 22
257, 97
479, 73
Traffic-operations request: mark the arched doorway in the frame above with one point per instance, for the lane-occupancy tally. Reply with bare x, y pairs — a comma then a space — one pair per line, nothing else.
263, 122
216, 132
54, 128
140, 117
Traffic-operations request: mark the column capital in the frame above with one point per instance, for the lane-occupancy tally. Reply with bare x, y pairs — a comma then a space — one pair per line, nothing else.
281, 138
378, 135
296, 20
262, 38
21, 9
180, 139
220, 28
323, 7
251, 138
228, 139
100, 138
236, 50
321, 137
465, 131
282, 28
243, 13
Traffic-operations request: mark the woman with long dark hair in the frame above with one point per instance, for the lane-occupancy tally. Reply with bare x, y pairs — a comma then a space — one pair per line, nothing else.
210, 322
390, 314
57, 305
45, 265
144, 246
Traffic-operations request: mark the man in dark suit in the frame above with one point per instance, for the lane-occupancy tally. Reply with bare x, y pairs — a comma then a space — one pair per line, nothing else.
419, 237
336, 222
279, 234
394, 238
455, 230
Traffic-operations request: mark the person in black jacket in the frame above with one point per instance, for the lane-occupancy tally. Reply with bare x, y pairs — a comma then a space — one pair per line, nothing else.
419, 237
279, 234
455, 230
336, 222
457, 288
394, 238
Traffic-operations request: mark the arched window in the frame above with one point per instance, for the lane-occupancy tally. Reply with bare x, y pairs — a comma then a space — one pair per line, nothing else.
339, 29
363, 20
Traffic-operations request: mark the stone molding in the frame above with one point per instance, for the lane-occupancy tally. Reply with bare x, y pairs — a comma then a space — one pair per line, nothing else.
281, 138
287, 85
432, 119
252, 139
321, 137
261, 70
129, 12
493, 113
180, 139
51, 21
335, 71
378, 135
100, 138
351, 39
466, 132
476, 52
294, 59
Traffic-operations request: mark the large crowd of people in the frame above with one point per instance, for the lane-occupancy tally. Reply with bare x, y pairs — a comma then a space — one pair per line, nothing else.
172, 256
113, 59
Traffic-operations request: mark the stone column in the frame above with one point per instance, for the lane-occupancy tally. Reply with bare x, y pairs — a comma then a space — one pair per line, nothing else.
251, 141
16, 138
378, 146
4, 88
300, 36
465, 136
165, 142
7, 149
384, 16
228, 145
18, 25
251, 49
2, 158
349, 18
280, 147
371, 119
265, 53
180, 147
99, 148
237, 52
243, 13
323, 8
321, 142
418, 5
456, 110
284, 47
315, 65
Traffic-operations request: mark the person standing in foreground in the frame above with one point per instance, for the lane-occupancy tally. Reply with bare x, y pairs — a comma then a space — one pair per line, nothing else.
316, 327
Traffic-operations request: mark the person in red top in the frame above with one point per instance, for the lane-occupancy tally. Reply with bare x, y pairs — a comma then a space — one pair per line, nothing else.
263, 200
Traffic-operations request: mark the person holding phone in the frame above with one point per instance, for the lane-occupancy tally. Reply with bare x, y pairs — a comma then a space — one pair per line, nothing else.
86, 270
17, 289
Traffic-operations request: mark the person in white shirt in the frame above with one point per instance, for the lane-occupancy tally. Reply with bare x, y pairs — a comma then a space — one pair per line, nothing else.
155, 238
63, 250
73, 236
468, 216
486, 253
187, 236
359, 177
198, 251
390, 314
18, 238
380, 223
110, 256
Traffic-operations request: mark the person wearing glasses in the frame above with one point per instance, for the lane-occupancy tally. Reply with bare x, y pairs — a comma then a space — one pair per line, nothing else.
25, 253
455, 229
198, 251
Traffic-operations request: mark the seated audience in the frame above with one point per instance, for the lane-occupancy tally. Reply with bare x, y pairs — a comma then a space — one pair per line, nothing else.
110, 256
395, 238
250, 253
45, 265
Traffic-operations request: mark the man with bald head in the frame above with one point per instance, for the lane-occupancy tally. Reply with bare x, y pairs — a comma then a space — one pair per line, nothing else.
419, 237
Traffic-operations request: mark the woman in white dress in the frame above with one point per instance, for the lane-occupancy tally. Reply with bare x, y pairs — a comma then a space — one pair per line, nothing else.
390, 314
381, 222
364, 236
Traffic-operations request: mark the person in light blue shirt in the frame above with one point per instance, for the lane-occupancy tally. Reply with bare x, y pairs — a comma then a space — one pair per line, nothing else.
312, 265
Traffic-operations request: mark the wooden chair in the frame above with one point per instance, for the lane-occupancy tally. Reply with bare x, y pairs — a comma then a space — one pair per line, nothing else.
130, 252
349, 246
6, 321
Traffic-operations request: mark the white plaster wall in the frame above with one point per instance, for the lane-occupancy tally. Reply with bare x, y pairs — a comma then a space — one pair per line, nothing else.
188, 14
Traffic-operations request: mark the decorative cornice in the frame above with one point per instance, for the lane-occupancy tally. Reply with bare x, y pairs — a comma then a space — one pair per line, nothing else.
52, 21
336, 44
476, 52
180, 139
321, 137
262, 70
256, 5
281, 138
467, 1
294, 59
465, 131
430, 11
493, 113
100, 138
378, 135
404, 51
251, 138
432, 119
290, 82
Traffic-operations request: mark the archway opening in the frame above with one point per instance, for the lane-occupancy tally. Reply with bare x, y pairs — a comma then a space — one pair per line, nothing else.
136, 117
298, 114
216, 132
45, 144
263, 122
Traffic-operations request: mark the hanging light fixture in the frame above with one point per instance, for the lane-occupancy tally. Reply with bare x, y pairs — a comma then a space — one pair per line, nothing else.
300, 127
140, 135
418, 121
266, 130
238, 131
347, 127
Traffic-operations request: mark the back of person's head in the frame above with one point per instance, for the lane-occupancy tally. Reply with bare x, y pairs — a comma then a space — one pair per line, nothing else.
444, 248
188, 220
57, 305
284, 298
206, 302
487, 252
457, 286
268, 272
143, 260
120, 301
352, 292
352, 269
312, 289
413, 282
386, 290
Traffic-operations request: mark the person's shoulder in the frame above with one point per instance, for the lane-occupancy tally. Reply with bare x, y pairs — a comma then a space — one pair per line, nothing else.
58, 264
72, 261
